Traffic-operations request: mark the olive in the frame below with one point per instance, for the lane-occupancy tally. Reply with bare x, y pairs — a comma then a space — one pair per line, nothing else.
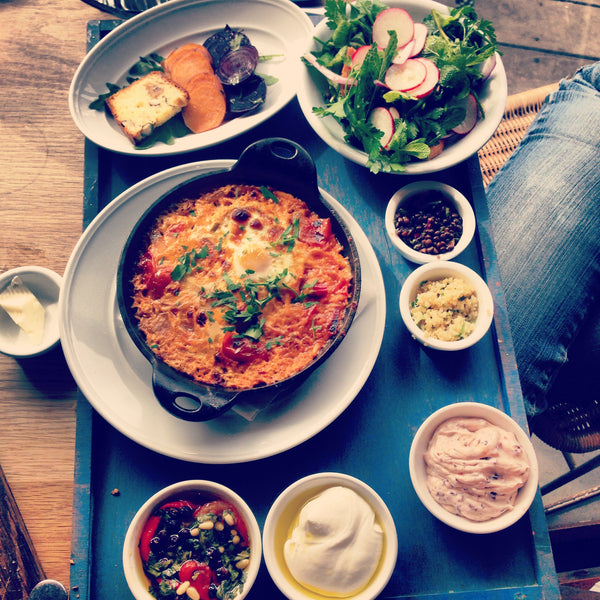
240, 215
155, 543
212, 590
186, 513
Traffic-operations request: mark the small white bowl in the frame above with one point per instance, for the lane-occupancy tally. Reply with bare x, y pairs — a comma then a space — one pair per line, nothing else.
132, 563
45, 285
440, 270
285, 510
405, 195
418, 471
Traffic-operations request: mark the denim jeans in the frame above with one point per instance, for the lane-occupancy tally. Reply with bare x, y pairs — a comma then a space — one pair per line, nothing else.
545, 214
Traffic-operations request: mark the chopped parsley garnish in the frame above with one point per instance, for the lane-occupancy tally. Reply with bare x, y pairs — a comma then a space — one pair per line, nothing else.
268, 194
289, 236
243, 303
188, 262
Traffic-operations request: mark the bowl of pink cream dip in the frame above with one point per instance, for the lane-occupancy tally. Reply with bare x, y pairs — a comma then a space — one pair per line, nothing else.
473, 467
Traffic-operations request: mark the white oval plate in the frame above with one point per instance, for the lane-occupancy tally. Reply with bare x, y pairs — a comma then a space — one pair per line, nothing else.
493, 101
276, 27
116, 378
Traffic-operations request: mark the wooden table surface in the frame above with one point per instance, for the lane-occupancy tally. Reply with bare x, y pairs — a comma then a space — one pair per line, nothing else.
41, 182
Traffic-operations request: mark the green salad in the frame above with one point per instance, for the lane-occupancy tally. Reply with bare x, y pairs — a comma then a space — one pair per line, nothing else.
401, 101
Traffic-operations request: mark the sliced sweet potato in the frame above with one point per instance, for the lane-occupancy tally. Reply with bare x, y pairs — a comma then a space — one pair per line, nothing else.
189, 65
181, 51
207, 105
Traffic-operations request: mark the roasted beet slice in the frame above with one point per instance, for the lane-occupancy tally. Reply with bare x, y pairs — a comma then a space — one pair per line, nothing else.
236, 66
246, 96
224, 41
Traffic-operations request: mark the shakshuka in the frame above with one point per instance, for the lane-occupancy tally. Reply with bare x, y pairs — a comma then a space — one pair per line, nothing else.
241, 287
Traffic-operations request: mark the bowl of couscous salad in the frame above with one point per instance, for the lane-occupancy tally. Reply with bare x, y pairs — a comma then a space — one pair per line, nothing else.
446, 305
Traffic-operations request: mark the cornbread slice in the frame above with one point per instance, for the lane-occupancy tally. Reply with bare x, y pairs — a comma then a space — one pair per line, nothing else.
145, 104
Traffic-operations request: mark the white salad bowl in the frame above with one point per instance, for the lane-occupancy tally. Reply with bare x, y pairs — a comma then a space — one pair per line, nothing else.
418, 468
492, 99
283, 514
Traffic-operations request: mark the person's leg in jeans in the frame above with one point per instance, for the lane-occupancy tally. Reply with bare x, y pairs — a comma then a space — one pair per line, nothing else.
545, 213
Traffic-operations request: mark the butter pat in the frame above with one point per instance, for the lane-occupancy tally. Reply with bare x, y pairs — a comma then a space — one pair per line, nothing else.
24, 309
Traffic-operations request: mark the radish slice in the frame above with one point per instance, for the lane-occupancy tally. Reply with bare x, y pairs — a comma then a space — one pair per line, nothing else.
470, 118
331, 75
359, 56
393, 19
394, 112
407, 76
382, 119
431, 79
420, 37
404, 53
488, 66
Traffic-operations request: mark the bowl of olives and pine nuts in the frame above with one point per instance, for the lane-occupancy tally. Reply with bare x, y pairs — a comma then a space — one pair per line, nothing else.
193, 539
429, 221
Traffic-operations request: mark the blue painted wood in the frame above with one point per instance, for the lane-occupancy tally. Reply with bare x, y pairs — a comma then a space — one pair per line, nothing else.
370, 440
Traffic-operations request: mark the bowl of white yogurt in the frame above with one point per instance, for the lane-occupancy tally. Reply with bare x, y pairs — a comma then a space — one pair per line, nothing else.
473, 467
330, 535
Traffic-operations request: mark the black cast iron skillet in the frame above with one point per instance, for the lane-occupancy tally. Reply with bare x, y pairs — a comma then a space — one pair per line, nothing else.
285, 166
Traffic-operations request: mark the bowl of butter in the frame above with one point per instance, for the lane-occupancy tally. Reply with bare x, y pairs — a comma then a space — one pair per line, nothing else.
29, 311
330, 535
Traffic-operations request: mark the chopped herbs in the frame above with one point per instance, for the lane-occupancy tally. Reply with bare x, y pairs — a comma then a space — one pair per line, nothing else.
289, 236
268, 194
188, 263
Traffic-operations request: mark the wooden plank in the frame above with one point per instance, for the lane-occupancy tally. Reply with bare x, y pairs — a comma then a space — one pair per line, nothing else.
566, 28
528, 69
20, 568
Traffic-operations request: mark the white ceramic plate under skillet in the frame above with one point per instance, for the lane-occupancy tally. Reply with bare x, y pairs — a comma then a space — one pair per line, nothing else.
116, 378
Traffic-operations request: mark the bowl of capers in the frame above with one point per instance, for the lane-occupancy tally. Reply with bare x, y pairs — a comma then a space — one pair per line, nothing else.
429, 221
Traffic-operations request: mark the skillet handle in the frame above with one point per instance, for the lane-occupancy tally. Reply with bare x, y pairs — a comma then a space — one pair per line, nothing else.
188, 400
284, 164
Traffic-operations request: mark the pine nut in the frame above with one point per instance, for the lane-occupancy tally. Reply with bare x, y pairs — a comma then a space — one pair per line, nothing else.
195, 532
242, 564
235, 539
192, 593
206, 525
228, 518
182, 589
219, 526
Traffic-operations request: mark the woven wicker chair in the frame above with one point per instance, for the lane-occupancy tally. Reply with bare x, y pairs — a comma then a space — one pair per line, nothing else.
571, 424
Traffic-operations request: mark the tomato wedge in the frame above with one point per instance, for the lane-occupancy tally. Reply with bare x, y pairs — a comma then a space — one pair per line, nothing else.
240, 349
314, 231
218, 507
147, 534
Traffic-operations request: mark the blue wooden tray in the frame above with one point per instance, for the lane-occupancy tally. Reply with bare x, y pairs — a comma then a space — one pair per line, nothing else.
370, 440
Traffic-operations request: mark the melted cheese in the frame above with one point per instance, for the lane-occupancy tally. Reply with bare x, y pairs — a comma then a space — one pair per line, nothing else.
235, 238
24, 309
